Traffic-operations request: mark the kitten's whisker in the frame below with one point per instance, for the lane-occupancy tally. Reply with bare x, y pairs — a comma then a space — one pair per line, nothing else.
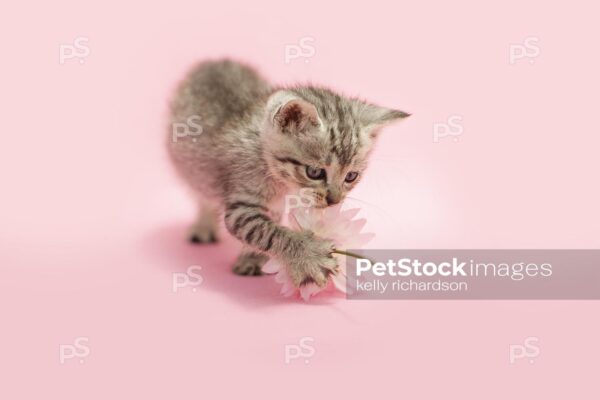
374, 206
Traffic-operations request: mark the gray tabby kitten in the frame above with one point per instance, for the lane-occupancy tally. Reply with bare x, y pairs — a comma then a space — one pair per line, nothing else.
259, 143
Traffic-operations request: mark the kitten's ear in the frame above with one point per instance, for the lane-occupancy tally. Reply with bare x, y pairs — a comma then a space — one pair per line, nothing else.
290, 114
373, 117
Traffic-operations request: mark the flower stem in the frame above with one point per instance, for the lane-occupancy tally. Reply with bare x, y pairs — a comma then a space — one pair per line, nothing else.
349, 254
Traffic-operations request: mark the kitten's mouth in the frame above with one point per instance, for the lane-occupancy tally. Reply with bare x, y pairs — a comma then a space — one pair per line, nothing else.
327, 205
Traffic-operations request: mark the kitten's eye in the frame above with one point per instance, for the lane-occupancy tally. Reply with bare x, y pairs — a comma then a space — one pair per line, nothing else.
315, 173
351, 176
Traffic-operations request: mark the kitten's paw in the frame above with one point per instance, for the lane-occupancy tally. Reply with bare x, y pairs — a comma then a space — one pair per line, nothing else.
200, 235
250, 264
314, 264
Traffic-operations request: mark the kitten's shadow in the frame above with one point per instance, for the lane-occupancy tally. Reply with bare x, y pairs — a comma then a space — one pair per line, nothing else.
174, 253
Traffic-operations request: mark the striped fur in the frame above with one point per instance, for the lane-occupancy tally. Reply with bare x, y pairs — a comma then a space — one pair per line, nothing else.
255, 146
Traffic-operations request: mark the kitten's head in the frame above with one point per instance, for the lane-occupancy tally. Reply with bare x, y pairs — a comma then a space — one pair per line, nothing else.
319, 140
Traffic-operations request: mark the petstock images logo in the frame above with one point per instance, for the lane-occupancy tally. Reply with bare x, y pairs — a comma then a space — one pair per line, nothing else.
474, 274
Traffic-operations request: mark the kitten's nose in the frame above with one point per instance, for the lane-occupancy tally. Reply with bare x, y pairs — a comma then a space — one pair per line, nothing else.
333, 198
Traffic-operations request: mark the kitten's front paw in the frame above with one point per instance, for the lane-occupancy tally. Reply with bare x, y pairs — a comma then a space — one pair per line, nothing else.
313, 263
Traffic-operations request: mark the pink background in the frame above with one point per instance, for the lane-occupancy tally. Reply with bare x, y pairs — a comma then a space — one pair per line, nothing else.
93, 219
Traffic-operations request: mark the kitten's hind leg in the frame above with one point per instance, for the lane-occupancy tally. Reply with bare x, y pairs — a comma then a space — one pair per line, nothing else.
250, 262
205, 228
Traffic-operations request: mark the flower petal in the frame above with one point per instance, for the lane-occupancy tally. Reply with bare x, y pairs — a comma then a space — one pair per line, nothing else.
357, 225
272, 266
349, 213
287, 289
339, 281
304, 218
309, 290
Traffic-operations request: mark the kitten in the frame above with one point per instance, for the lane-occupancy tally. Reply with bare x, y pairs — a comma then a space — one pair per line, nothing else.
258, 143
